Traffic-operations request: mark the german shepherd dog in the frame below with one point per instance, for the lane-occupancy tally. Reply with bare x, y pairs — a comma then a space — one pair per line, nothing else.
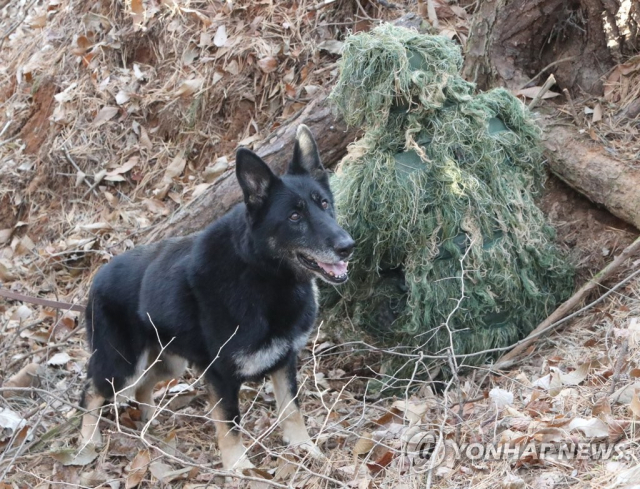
237, 301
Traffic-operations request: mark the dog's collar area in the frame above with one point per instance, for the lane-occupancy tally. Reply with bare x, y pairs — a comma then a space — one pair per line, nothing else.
332, 272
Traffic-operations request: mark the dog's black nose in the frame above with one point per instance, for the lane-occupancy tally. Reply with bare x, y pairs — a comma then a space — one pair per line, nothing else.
344, 247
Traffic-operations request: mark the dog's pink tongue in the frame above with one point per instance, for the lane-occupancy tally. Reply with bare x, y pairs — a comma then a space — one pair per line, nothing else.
338, 269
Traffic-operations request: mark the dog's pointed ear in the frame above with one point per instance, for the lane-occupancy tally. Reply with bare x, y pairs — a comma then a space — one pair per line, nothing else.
254, 176
306, 157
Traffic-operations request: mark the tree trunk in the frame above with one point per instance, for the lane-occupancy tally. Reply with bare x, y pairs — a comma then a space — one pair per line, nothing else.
331, 134
511, 41
587, 167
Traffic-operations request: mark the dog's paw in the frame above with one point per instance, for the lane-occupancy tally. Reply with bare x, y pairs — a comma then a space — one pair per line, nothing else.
243, 463
237, 464
312, 450
239, 467
93, 438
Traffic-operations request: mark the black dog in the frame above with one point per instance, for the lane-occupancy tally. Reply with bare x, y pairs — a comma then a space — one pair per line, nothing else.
237, 301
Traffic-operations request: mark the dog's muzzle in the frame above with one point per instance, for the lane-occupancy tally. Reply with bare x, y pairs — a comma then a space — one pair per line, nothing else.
335, 273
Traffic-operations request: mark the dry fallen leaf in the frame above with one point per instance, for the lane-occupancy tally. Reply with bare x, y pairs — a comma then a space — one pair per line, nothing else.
122, 97
592, 428
38, 21
577, 376
189, 87
144, 138
381, 462
26, 377
268, 64
5, 273
174, 169
156, 206
555, 383
221, 36
116, 174
27, 243
93, 478
364, 444
69, 456
413, 411
212, 172
601, 407
165, 473
392, 416
199, 189
138, 469
628, 478
105, 114
630, 66
5, 235
597, 113
549, 435
205, 40
531, 92
95, 227
10, 420
138, 73
634, 406
138, 11
331, 46
612, 83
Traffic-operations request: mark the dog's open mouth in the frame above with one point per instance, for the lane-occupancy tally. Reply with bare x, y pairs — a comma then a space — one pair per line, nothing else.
333, 272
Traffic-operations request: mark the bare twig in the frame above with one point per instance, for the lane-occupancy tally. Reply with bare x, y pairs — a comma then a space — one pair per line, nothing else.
550, 65
572, 107
545, 88
75, 165
6, 126
618, 367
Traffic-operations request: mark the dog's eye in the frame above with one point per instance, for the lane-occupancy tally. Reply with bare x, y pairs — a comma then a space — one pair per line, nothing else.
325, 204
295, 216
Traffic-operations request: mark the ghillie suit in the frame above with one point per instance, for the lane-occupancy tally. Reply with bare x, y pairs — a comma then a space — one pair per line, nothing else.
443, 181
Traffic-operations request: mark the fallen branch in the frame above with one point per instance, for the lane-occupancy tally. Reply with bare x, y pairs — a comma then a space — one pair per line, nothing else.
41, 302
507, 360
590, 169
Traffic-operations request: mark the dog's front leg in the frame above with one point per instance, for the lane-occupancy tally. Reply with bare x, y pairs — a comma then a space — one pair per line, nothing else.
294, 430
92, 402
225, 413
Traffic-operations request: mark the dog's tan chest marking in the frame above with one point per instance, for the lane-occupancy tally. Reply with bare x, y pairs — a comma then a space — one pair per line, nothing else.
253, 363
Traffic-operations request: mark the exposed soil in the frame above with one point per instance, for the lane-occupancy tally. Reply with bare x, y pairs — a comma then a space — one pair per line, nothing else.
35, 131
590, 234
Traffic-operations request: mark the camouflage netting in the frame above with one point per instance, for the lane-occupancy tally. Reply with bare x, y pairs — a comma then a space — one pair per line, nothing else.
443, 179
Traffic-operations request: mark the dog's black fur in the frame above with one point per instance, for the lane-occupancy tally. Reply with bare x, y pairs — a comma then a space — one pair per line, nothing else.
245, 282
